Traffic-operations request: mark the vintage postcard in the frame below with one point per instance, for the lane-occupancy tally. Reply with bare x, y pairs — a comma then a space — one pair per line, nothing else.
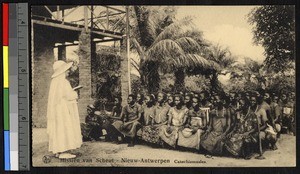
163, 86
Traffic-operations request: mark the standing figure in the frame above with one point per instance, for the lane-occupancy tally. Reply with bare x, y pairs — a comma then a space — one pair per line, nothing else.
63, 125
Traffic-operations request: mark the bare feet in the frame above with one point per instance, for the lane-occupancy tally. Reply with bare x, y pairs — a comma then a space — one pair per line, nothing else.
208, 156
66, 156
260, 157
56, 155
274, 147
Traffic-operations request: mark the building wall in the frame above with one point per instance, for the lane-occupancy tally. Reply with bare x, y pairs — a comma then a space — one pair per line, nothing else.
85, 74
43, 59
42, 62
124, 73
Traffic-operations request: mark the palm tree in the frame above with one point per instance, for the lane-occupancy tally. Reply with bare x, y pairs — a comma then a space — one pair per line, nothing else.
222, 58
165, 45
172, 50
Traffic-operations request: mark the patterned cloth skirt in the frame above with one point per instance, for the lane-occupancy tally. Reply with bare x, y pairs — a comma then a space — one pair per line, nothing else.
235, 144
212, 142
188, 139
169, 134
90, 131
150, 134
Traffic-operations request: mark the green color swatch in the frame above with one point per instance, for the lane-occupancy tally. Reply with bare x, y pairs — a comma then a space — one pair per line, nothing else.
6, 109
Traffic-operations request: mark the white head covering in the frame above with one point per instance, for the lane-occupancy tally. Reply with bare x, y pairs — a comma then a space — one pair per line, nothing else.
60, 67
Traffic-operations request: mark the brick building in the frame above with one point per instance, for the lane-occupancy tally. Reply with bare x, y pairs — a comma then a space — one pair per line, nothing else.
47, 31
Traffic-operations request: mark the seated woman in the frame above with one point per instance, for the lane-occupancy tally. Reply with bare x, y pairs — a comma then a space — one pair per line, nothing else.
244, 133
151, 132
147, 112
188, 101
140, 99
112, 133
177, 118
170, 101
212, 140
131, 114
190, 136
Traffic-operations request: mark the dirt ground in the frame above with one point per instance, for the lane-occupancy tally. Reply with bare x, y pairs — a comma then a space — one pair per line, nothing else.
108, 154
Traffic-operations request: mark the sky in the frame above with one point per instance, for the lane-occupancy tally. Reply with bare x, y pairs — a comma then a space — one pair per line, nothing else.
224, 25
227, 26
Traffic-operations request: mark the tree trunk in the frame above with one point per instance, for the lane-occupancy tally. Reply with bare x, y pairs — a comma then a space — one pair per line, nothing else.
152, 77
215, 84
142, 17
179, 80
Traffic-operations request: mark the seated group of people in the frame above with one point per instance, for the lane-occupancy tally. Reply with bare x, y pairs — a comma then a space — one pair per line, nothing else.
237, 124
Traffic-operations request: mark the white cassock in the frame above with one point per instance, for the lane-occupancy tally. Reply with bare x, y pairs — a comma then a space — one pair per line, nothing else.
63, 124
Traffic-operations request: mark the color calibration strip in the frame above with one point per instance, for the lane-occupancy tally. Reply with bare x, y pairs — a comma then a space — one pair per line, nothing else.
5, 17
16, 86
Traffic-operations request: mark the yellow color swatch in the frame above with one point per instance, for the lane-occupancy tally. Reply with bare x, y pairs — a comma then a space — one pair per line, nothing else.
5, 66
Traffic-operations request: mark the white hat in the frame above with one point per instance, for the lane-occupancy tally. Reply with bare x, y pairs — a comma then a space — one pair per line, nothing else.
60, 67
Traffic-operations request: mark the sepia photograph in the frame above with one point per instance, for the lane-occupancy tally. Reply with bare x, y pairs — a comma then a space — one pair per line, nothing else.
163, 86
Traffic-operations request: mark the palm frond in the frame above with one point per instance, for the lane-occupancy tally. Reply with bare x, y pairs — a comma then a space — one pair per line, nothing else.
214, 65
189, 45
188, 61
137, 46
173, 29
136, 67
164, 48
196, 61
196, 34
168, 65
145, 25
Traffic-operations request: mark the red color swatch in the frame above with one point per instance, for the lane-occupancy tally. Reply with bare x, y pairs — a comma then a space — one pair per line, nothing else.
5, 23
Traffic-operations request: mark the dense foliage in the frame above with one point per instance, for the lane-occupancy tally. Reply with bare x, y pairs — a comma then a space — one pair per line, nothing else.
274, 29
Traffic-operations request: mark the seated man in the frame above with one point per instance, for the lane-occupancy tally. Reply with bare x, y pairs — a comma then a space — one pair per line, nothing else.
91, 129
276, 114
267, 135
287, 113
